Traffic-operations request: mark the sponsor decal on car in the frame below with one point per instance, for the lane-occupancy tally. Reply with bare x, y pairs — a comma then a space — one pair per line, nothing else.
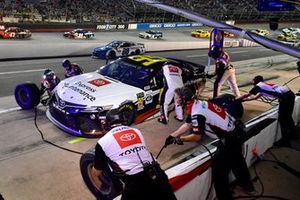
127, 138
99, 82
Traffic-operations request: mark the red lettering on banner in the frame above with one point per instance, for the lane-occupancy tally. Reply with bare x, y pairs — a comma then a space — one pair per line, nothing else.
173, 69
127, 138
99, 82
216, 109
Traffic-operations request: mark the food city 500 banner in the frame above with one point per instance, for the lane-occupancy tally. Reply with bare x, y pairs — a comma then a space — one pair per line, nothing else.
141, 26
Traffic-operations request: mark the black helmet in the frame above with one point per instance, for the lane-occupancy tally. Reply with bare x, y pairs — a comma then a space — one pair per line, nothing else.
185, 94
66, 63
258, 79
113, 117
49, 74
215, 52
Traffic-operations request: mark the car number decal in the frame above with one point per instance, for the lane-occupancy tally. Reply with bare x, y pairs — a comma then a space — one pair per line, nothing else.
147, 60
149, 97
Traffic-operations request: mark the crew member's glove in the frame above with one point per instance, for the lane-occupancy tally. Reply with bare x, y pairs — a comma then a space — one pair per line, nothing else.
173, 140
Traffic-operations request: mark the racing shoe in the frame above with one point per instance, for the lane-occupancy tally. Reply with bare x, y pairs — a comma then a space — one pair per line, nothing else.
180, 120
240, 190
162, 120
282, 143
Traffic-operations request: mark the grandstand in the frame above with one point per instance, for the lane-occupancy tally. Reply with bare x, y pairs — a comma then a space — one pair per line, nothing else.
107, 11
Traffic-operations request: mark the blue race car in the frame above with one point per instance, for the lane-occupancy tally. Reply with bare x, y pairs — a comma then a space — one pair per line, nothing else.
117, 49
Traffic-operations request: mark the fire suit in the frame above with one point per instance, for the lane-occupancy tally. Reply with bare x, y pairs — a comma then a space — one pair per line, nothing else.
49, 85
225, 71
286, 106
73, 70
173, 79
124, 150
208, 118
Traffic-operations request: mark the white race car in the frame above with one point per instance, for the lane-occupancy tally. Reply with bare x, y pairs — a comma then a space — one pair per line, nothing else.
79, 34
118, 48
130, 85
151, 34
291, 30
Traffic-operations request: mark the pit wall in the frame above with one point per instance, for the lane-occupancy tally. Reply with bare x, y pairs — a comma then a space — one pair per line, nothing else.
194, 176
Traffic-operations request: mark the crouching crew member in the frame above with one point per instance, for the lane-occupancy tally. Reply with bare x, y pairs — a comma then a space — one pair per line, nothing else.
49, 82
124, 150
286, 106
207, 118
71, 69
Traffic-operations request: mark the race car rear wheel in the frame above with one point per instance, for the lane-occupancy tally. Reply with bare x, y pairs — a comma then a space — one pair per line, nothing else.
127, 111
111, 185
137, 52
27, 95
111, 55
233, 107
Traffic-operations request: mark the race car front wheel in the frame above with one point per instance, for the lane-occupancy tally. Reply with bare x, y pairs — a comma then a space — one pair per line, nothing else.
127, 112
111, 185
27, 95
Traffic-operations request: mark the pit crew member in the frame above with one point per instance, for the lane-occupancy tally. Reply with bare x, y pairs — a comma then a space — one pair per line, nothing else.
172, 80
49, 82
71, 69
286, 106
224, 70
124, 150
207, 118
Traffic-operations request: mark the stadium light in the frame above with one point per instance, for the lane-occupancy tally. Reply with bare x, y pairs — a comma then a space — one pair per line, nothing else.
269, 43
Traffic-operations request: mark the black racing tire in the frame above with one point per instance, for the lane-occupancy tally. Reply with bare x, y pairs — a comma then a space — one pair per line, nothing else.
111, 55
112, 186
27, 95
137, 52
127, 112
233, 107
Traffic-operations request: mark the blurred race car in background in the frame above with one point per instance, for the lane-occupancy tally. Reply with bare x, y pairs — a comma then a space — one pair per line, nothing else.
291, 30
151, 34
118, 48
14, 32
130, 85
288, 37
79, 34
200, 33
228, 34
262, 32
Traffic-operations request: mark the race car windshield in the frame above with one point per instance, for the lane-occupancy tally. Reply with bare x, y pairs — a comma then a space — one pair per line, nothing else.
113, 44
126, 73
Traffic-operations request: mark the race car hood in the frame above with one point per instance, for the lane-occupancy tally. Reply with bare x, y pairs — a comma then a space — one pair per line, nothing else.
93, 89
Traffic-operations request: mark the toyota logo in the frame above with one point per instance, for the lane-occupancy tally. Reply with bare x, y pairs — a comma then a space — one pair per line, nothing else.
62, 103
127, 137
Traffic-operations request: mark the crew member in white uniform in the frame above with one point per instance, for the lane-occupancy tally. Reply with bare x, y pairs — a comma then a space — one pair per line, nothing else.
124, 150
172, 80
204, 117
224, 71
286, 106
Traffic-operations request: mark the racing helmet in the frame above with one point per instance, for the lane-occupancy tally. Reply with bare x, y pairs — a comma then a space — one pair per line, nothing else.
257, 79
185, 95
114, 118
215, 52
66, 63
49, 75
